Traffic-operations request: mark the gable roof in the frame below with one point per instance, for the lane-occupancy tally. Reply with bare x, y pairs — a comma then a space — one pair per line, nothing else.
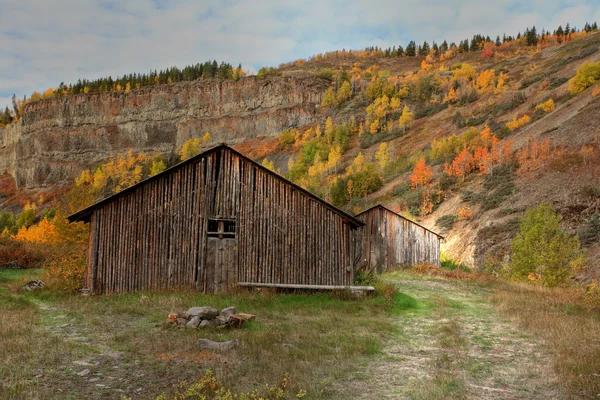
85, 214
401, 216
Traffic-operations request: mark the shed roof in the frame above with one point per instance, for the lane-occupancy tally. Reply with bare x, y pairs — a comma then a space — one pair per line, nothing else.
401, 216
85, 214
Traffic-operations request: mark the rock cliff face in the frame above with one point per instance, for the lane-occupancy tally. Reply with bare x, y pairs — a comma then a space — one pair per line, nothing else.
57, 138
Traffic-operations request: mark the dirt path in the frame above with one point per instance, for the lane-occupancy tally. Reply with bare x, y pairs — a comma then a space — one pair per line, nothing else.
456, 346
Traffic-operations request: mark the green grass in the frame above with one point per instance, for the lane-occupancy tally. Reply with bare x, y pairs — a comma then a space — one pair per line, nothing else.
327, 337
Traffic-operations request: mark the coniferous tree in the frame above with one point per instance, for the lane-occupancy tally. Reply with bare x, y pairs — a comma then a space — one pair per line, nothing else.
411, 49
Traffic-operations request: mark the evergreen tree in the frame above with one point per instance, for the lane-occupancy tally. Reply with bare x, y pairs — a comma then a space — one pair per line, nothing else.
411, 49
444, 47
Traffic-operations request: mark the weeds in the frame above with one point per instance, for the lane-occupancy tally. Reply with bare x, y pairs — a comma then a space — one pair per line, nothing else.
562, 318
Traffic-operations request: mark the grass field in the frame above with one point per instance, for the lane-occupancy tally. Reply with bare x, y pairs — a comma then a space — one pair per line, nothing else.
436, 339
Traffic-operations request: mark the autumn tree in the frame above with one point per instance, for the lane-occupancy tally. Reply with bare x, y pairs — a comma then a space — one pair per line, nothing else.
268, 164
382, 155
421, 174
461, 166
405, 119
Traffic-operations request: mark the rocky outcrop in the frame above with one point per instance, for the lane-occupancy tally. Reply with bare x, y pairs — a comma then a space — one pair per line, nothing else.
57, 138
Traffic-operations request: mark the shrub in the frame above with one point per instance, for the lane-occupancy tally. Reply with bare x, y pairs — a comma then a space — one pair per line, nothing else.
365, 278
593, 192
264, 72
400, 189
591, 296
26, 218
587, 75
7, 222
591, 232
17, 254
446, 221
542, 252
65, 267
465, 213
453, 265
287, 138
386, 290
208, 387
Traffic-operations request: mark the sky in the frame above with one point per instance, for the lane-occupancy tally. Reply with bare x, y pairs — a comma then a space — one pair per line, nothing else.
44, 42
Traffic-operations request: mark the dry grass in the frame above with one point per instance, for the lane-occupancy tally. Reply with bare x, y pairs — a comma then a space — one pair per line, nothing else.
49, 337
456, 274
570, 330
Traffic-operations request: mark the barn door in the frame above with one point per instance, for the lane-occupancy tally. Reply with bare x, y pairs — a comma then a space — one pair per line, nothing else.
221, 254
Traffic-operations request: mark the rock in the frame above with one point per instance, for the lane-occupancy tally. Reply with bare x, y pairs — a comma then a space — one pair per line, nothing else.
193, 322
73, 130
183, 315
228, 311
83, 363
246, 317
207, 344
206, 323
203, 312
229, 321
33, 285
181, 321
94, 379
85, 372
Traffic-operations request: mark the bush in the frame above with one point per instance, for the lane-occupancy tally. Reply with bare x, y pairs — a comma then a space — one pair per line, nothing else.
587, 75
16, 254
591, 191
400, 189
65, 267
365, 278
542, 252
556, 81
264, 72
453, 265
446, 221
591, 232
208, 387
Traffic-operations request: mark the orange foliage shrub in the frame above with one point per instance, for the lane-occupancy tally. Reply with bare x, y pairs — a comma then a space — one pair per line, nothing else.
465, 213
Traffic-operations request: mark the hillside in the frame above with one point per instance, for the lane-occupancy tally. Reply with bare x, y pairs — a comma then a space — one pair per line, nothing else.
285, 119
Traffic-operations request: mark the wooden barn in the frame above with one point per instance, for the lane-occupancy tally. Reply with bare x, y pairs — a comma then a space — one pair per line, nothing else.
212, 221
388, 239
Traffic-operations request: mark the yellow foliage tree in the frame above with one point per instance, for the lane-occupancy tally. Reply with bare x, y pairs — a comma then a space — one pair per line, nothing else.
382, 155
486, 80
44, 232
406, 118
374, 127
268, 164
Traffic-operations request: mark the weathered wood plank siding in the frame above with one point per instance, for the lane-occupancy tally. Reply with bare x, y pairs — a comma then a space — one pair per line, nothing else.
155, 236
388, 240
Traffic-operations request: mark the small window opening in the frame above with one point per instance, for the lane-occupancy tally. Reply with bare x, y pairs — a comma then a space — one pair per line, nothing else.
221, 228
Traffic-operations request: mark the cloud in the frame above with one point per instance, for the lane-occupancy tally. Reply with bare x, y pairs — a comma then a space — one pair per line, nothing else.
41, 45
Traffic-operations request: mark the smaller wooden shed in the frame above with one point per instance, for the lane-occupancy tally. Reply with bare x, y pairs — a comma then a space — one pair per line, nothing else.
388, 239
